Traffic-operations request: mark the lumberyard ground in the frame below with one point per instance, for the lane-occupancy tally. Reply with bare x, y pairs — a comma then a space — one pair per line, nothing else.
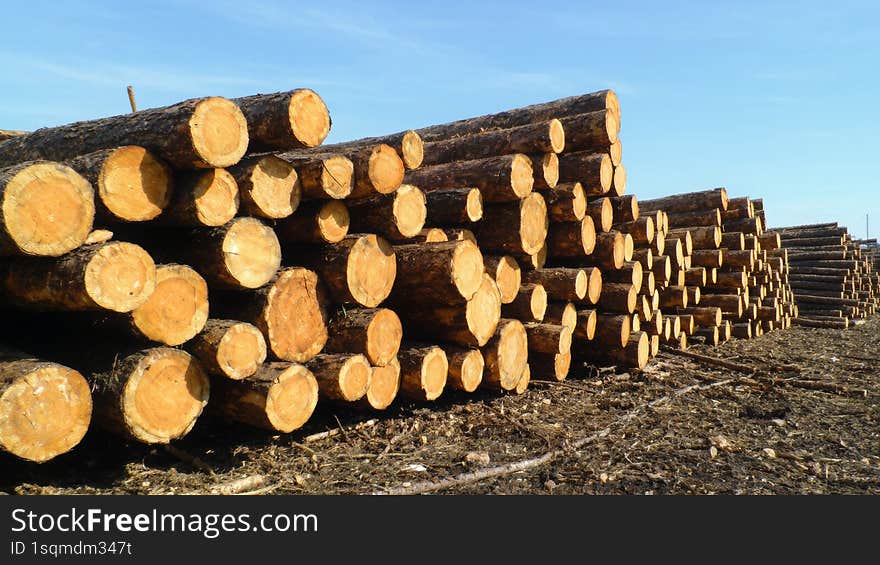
679, 427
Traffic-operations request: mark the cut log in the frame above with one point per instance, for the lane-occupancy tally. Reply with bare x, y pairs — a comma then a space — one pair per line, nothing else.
610, 250
153, 395
359, 269
285, 120
198, 133
602, 213
804, 321
703, 315
592, 131
581, 104
624, 209
649, 283
430, 235
674, 297
471, 326
571, 239
207, 198
177, 310
731, 280
702, 237
279, 397
384, 385
115, 276
506, 178
560, 283
516, 227
548, 338
707, 258
449, 272
634, 354
561, 313
423, 372
566, 202
709, 334
529, 305
506, 355
132, 184
688, 202
695, 276
396, 216
465, 368
618, 182
454, 207
291, 312
544, 366
377, 169
618, 298
229, 348
537, 137
268, 187
746, 225
585, 325
45, 408
408, 144
374, 332
616, 152
45, 209
343, 377
507, 274
546, 171
322, 176
694, 295
710, 217
593, 170
728, 303
632, 272
315, 222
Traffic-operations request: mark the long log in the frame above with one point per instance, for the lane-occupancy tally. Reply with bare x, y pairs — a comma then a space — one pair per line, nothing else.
444, 273
618, 182
591, 131
197, 133
130, 182
454, 207
618, 298
560, 283
702, 237
45, 209
537, 137
545, 366
268, 187
45, 408
548, 338
408, 144
703, 315
285, 120
320, 221
561, 313
804, 321
373, 332
571, 239
279, 397
602, 213
229, 348
593, 170
506, 178
545, 167
517, 227
634, 355
506, 356
688, 202
710, 217
642, 230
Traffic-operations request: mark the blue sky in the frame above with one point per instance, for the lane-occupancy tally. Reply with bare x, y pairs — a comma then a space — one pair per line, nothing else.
779, 100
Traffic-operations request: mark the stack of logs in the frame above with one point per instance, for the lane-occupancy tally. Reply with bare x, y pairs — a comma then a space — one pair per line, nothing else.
835, 280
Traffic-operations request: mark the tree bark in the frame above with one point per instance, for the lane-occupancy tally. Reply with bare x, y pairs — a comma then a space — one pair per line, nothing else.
537, 137
592, 131
424, 372
320, 221
396, 216
408, 144
449, 272
571, 239
454, 207
593, 170
517, 227
566, 202
285, 120
506, 178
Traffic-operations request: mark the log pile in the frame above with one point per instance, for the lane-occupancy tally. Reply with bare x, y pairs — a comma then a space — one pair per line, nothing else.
834, 278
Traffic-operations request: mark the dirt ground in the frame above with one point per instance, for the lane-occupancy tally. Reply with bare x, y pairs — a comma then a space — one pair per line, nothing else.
679, 427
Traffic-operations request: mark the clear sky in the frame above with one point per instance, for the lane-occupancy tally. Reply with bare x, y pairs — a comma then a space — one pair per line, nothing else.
779, 100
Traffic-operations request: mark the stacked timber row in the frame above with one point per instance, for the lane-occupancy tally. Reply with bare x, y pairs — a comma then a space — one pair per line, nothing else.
834, 278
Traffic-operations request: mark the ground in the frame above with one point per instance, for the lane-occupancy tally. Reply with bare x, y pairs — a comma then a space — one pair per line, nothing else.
680, 427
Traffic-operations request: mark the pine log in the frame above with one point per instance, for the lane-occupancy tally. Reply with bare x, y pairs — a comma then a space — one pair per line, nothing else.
659, 243
566, 202
594, 101
592, 131
632, 272
408, 144
423, 372
708, 258
634, 354
384, 385
45, 209
560, 283
624, 208
279, 397
674, 297
548, 338
507, 274
507, 178
537, 137
702, 237
811, 241
710, 217
342, 377
454, 207
728, 303
628, 247
688, 202
373, 332
445, 273
642, 230
506, 355
229, 348
593, 170
649, 283
545, 167
745, 225
529, 304
804, 321
545, 366
285, 120
396, 216
152, 396
131, 184
377, 169
662, 270
571, 239
703, 315
466, 368
430, 235
585, 325
204, 198
687, 245
268, 187
738, 259
694, 295
709, 334
695, 276
359, 269
618, 182
517, 227
618, 298
610, 250
114, 276
561, 313
45, 408
809, 256
322, 176
320, 221
602, 213
291, 312
737, 279
198, 133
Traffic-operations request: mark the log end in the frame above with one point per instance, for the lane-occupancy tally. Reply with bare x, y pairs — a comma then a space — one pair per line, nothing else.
586, 325
219, 132
467, 268
549, 170
412, 150
384, 385
385, 169
370, 271
292, 398
582, 283
48, 209
216, 198
309, 117
508, 277
337, 176
521, 176
616, 151
178, 308
164, 395
606, 173
538, 302
619, 180
588, 235
474, 205
409, 210
468, 374
534, 223
251, 252
509, 354
524, 381
354, 378
333, 221
594, 285
45, 412
557, 136
384, 334
578, 201
120, 276
483, 310
134, 185
274, 189
294, 321
241, 351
